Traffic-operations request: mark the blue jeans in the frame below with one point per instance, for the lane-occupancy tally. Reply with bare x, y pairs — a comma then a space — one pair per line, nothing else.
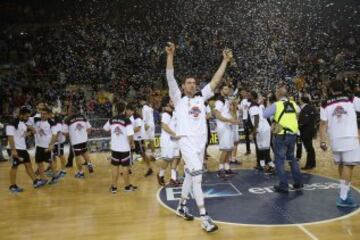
284, 148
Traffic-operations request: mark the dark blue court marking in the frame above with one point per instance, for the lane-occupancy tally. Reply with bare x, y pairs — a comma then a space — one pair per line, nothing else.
248, 198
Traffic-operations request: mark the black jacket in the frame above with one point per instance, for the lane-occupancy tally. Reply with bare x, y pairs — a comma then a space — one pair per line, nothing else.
307, 121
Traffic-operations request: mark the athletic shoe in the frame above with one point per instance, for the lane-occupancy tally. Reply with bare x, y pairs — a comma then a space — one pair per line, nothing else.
79, 175
259, 168
183, 211
113, 189
15, 189
149, 172
269, 171
62, 173
230, 172
161, 180
130, 188
221, 174
54, 180
347, 203
280, 190
90, 167
297, 187
39, 183
207, 224
174, 183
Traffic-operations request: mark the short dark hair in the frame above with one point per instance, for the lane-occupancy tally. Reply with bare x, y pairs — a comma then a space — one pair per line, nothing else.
24, 110
131, 106
305, 99
254, 94
337, 86
120, 107
47, 110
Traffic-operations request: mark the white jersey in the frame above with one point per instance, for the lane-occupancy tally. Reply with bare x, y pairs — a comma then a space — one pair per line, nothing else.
256, 110
60, 130
148, 116
121, 128
17, 129
138, 122
44, 130
340, 114
77, 127
190, 112
165, 138
244, 105
223, 106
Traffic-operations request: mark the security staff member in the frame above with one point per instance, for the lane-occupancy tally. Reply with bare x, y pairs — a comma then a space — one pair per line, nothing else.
307, 121
285, 131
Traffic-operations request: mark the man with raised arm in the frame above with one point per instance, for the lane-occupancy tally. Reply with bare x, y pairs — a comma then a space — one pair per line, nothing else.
192, 130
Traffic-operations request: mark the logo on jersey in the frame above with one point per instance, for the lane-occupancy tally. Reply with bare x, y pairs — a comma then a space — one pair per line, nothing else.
339, 111
117, 131
41, 132
79, 127
195, 111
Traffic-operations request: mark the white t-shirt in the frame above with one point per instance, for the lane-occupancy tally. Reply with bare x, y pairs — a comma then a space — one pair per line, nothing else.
165, 137
244, 105
224, 108
18, 130
60, 131
148, 116
44, 130
340, 114
190, 112
138, 122
77, 127
263, 123
121, 128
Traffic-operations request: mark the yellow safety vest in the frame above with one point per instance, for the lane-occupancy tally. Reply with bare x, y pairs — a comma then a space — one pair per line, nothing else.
288, 121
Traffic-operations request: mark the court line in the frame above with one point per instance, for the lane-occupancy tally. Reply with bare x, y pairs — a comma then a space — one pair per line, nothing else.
302, 228
274, 225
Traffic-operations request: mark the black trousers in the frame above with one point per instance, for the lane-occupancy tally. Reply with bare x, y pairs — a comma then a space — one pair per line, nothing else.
247, 130
310, 152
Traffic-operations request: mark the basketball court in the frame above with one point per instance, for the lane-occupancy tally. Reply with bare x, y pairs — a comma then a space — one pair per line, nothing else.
244, 206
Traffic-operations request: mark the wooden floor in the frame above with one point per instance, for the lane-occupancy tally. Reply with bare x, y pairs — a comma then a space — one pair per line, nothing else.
84, 209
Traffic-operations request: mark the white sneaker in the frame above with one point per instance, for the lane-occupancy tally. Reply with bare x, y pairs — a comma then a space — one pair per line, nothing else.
207, 224
183, 211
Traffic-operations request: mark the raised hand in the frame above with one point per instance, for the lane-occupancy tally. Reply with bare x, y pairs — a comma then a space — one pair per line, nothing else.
170, 48
228, 55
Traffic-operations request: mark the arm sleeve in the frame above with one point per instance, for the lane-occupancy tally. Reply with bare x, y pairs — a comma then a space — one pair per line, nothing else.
174, 91
356, 103
323, 115
165, 118
219, 106
65, 128
206, 92
129, 130
270, 111
10, 130
107, 126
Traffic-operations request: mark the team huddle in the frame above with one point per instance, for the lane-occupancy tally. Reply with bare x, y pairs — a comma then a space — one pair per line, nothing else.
184, 136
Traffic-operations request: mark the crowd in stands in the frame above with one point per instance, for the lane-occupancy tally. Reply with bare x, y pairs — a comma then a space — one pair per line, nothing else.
92, 52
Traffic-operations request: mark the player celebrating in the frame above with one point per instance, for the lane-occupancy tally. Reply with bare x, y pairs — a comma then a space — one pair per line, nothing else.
338, 117
224, 122
122, 133
191, 128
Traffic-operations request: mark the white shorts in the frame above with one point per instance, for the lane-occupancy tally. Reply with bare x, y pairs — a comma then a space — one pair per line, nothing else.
351, 157
226, 138
169, 153
192, 149
149, 134
263, 138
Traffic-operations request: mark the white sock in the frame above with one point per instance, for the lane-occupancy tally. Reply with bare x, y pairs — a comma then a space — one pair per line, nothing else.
162, 172
173, 174
344, 189
227, 166
186, 187
271, 164
198, 192
221, 166
262, 163
202, 211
